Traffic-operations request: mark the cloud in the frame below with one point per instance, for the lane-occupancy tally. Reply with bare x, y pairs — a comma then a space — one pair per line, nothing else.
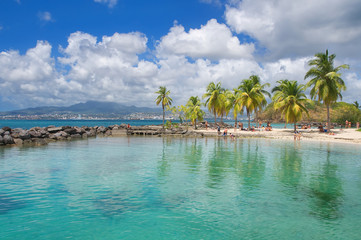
299, 28
111, 68
45, 16
212, 41
111, 3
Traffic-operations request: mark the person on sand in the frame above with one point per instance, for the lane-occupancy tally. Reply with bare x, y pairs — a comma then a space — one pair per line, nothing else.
219, 130
346, 124
297, 135
349, 124
128, 126
206, 125
357, 125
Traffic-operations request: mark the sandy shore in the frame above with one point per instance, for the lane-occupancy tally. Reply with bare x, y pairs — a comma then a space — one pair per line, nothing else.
340, 136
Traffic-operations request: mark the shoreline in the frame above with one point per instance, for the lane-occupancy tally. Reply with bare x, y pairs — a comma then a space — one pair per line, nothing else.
41, 136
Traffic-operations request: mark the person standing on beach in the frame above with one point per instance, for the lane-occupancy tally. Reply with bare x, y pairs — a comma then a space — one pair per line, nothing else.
346, 124
219, 130
357, 125
206, 125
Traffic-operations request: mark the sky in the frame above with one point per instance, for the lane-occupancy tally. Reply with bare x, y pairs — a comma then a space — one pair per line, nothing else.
63, 52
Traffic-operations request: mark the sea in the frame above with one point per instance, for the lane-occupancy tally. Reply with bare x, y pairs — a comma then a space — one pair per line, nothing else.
27, 124
142, 187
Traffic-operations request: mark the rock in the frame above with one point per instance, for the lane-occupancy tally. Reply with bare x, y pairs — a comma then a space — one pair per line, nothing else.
18, 141
6, 133
1, 131
8, 139
70, 130
1, 140
108, 133
34, 134
61, 135
55, 129
77, 135
6, 129
44, 133
102, 129
24, 134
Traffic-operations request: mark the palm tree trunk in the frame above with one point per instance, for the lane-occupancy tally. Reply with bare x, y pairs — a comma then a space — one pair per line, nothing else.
163, 116
235, 124
249, 121
294, 127
215, 116
328, 118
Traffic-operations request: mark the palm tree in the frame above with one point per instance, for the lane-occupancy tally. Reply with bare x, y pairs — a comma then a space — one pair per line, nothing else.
326, 80
356, 104
233, 102
251, 96
194, 111
289, 98
214, 95
163, 98
257, 80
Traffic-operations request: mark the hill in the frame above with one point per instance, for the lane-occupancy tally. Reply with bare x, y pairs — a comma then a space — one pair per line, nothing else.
339, 112
90, 108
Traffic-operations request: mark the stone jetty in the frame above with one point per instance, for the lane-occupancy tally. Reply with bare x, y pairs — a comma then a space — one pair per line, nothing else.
44, 135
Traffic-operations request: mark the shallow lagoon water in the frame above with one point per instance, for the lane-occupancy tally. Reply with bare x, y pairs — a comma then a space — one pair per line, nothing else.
181, 188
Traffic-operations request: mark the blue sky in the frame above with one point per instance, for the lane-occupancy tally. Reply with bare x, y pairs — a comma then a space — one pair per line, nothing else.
63, 52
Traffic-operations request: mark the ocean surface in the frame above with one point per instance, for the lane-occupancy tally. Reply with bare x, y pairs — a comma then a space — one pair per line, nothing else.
180, 188
27, 124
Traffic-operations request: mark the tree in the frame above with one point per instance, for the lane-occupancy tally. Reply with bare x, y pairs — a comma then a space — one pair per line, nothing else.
257, 80
233, 102
251, 96
214, 95
326, 80
194, 111
356, 104
163, 98
289, 98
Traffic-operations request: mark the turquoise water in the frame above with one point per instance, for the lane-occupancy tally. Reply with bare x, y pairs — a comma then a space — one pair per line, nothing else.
27, 124
179, 188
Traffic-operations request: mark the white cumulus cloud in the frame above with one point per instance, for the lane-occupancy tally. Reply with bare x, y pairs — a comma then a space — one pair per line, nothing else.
212, 41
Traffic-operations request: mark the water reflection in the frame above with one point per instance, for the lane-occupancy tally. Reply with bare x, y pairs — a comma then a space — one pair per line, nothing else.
252, 165
288, 166
326, 190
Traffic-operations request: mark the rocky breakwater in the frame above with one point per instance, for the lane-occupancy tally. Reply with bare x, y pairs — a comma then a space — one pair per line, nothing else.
44, 135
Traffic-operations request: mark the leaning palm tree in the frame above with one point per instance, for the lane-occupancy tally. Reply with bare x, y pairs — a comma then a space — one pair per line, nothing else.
289, 98
214, 95
163, 98
326, 80
257, 80
194, 111
251, 97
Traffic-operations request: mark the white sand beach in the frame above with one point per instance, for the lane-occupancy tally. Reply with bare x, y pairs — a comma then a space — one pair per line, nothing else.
340, 135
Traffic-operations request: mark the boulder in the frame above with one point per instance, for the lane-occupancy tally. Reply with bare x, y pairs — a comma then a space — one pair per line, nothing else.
34, 134
55, 129
1, 140
6, 129
102, 129
77, 135
1, 131
44, 133
24, 134
8, 139
70, 130
18, 141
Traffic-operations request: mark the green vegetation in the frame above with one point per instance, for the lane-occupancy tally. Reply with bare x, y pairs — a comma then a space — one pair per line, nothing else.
163, 98
193, 110
289, 98
289, 102
326, 81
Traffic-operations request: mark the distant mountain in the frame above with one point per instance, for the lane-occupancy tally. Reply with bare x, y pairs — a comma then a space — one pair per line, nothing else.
90, 107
